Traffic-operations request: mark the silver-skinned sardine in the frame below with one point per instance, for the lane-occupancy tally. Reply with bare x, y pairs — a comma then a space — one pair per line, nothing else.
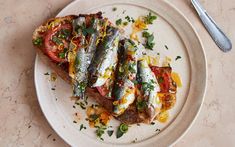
84, 54
124, 89
149, 101
105, 58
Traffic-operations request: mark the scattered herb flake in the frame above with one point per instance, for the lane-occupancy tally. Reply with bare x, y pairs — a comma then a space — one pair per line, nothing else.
166, 47
160, 80
149, 44
74, 106
124, 11
110, 132
52, 88
74, 121
38, 41
100, 131
158, 131
56, 40
177, 58
140, 105
119, 22
54, 139
149, 18
46, 73
114, 8
152, 123
130, 19
49, 136
134, 141
82, 127
125, 23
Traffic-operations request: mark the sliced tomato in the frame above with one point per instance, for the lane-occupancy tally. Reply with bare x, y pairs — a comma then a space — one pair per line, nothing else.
52, 49
163, 75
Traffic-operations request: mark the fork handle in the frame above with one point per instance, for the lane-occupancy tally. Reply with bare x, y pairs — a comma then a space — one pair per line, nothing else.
216, 33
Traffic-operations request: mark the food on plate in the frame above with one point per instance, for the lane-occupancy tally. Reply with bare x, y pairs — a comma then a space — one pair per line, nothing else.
91, 54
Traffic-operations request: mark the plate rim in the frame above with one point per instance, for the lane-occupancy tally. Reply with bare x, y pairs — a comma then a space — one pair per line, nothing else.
203, 92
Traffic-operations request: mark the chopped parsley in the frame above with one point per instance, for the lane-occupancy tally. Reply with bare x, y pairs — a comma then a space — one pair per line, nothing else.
82, 127
38, 41
149, 18
62, 54
52, 88
64, 33
131, 67
149, 44
114, 8
140, 105
147, 86
46, 73
166, 47
152, 123
119, 22
74, 121
56, 40
86, 31
177, 58
125, 23
160, 80
130, 19
81, 104
122, 129
93, 117
110, 132
100, 131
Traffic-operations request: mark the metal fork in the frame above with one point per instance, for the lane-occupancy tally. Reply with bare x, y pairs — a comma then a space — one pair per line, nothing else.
216, 33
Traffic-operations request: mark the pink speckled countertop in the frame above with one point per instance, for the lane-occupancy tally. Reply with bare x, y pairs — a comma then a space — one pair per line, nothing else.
22, 122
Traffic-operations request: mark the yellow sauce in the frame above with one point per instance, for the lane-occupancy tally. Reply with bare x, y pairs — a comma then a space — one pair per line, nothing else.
163, 116
175, 76
138, 26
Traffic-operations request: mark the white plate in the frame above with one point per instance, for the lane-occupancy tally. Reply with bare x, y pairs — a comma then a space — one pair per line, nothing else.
171, 29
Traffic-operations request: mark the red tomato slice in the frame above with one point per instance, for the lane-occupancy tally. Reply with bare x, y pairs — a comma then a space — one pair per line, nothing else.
51, 48
163, 76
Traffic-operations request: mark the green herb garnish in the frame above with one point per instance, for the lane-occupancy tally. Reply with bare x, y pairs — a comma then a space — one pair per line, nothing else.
160, 80
82, 127
178, 57
149, 18
62, 55
119, 22
122, 129
46, 73
125, 23
110, 132
130, 19
56, 40
114, 8
74, 122
38, 41
149, 44
52, 88
152, 123
93, 117
147, 86
166, 47
140, 105
100, 131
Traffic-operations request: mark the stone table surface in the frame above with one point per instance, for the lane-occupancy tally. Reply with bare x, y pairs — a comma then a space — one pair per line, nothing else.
21, 120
